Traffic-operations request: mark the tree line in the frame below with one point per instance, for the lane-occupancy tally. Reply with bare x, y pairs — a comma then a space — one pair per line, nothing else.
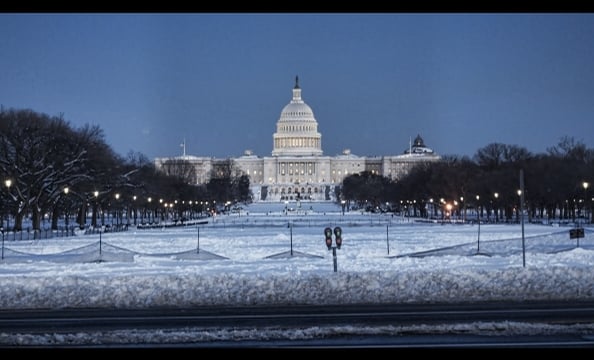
50, 169
557, 184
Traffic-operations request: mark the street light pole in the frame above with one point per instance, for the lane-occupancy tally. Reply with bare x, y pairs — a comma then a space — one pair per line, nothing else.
8, 183
478, 218
117, 210
135, 209
449, 212
95, 209
585, 185
66, 190
150, 210
496, 195
521, 193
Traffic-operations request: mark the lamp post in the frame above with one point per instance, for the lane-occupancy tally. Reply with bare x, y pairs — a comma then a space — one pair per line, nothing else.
135, 209
66, 191
585, 185
117, 209
162, 216
95, 209
449, 211
150, 210
8, 183
496, 195
521, 193
342, 202
478, 219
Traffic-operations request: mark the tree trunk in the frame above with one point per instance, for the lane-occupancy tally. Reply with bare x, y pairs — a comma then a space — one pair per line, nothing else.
82, 215
36, 218
18, 221
94, 216
55, 217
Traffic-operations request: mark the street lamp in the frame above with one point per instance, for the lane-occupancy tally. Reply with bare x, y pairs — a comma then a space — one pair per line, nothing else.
521, 193
8, 183
117, 209
478, 238
342, 202
520, 211
585, 185
66, 191
135, 209
449, 211
95, 209
496, 195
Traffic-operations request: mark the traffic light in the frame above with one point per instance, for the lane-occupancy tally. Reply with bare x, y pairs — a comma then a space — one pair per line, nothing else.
338, 234
328, 234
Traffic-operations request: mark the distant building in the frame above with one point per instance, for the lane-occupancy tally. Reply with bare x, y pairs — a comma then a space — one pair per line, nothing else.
297, 168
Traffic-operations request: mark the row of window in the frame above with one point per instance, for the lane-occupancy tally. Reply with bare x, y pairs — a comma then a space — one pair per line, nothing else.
296, 190
299, 142
301, 171
297, 128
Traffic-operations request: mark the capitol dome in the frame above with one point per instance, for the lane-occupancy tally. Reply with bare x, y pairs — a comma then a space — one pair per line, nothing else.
297, 129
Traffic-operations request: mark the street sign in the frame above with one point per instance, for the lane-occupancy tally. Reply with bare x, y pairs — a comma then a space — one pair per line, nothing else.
576, 233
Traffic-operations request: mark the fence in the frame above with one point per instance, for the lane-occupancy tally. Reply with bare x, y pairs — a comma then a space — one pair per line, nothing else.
61, 231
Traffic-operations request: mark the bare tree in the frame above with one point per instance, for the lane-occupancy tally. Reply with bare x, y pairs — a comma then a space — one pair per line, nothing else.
42, 157
180, 168
569, 148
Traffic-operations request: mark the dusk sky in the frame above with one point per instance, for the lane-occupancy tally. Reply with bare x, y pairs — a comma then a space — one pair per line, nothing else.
220, 81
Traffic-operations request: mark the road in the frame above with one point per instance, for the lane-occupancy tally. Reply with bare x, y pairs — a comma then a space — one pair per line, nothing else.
211, 319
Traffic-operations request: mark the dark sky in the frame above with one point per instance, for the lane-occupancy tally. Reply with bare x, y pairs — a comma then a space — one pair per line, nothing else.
461, 81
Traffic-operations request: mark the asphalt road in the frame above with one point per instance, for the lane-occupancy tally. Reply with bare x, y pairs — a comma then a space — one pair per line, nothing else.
63, 321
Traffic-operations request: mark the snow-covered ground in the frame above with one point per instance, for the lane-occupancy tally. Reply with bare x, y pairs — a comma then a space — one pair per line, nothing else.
264, 256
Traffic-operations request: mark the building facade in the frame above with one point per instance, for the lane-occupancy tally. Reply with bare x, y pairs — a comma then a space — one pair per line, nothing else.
297, 167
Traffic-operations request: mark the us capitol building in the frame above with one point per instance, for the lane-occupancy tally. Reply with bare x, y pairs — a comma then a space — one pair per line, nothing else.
297, 167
